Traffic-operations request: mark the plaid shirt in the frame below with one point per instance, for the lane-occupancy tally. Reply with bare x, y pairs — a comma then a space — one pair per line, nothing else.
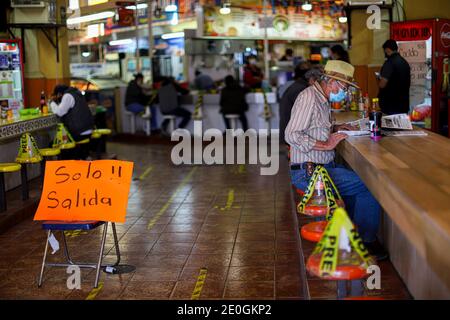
310, 121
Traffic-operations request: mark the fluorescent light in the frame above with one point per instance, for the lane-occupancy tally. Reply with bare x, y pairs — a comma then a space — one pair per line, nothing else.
120, 42
91, 17
86, 54
343, 19
171, 8
139, 6
307, 6
225, 9
172, 35
95, 30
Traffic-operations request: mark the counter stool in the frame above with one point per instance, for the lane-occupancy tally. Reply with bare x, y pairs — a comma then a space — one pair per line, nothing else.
47, 153
171, 125
344, 275
28, 154
132, 120
78, 225
5, 168
232, 120
100, 146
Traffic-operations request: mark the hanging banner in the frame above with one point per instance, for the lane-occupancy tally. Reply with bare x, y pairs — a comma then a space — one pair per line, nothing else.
85, 190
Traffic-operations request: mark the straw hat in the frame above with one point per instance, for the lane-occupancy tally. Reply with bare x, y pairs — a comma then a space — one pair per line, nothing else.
341, 71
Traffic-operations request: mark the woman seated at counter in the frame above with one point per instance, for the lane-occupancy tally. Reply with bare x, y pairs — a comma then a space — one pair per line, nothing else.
232, 101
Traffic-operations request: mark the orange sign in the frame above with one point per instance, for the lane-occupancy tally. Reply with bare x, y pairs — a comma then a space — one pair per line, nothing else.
85, 190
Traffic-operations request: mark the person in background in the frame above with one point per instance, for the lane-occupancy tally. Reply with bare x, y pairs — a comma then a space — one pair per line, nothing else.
253, 76
288, 97
339, 53
288, 55
313, 75
394, 81
313, 138
299, 71
169, 102
232, 101
136, 98
71, 107
203, 81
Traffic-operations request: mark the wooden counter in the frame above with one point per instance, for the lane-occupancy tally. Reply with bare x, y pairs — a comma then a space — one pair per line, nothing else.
410, 177
16, 127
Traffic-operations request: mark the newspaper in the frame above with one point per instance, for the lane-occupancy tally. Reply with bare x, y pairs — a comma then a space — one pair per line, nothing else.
396, 121
361, 124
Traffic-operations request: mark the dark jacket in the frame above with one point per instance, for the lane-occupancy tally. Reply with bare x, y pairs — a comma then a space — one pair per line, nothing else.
168, 96
232, 100
287, 102
79, 118
135, 94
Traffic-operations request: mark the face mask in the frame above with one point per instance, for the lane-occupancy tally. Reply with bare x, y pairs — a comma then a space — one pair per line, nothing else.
337, 97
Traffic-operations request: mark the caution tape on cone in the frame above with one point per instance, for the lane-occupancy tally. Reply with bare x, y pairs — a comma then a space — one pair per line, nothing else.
331, 192
28, 150
328, 245
62, 136
267, 110
198, 107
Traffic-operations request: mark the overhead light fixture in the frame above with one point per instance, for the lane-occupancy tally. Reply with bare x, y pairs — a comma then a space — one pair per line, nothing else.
172, 35
225, 9
171, 7
139, 6
120, 42
85, 54
307, 6
343, 17
91, 17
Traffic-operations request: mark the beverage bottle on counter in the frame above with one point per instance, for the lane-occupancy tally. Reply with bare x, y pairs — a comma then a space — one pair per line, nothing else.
366, 105
361, 104
354, 101
42, 101
375, 120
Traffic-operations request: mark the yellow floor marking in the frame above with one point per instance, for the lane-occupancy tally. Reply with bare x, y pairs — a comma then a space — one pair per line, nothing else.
199, 284
152, 222
74, 233
241, 168
146, 173
230, 201
94, 292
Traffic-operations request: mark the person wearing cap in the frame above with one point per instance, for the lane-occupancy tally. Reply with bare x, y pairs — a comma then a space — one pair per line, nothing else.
313, 138
136, 99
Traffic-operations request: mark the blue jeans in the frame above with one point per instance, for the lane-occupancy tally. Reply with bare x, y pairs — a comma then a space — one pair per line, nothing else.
361, 206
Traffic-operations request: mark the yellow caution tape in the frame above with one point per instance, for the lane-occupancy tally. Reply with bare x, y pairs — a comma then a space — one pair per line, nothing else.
94, 292
197, 110
28, 150
74, 233
146, 173
199, 284
62, 136
267, 110
331, 192
153, 221
328, 245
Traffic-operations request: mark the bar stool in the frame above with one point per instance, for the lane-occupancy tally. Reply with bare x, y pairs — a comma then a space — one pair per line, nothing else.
97, 134
232, 119
47, 153
171, 125
28, 154
132, 120
5, 168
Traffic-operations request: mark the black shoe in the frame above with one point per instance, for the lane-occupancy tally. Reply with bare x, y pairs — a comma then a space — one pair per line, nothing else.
376, 250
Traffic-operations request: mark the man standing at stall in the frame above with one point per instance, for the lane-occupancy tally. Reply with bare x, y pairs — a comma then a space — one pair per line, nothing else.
313, 138
394, 81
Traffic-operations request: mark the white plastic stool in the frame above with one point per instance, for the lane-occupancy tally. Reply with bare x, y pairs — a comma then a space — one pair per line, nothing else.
232, 119
171, 125
132, 120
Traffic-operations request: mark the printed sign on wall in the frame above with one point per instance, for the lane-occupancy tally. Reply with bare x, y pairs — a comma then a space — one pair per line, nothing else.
85, 190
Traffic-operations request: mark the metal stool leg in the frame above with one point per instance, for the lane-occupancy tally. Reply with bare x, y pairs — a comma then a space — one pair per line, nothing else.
133, 123
24, 176
43, 260
99, 263
2, 192
66, 249
357, 288
116, 243
341, 289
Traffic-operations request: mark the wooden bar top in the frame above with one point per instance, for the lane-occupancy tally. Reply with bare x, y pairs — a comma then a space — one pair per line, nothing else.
410, 177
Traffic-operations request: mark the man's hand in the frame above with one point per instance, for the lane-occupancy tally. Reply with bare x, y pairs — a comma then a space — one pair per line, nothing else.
331, 143
345, 126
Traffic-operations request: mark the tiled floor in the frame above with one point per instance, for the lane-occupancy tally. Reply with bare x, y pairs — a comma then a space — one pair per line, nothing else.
228, 219
238, 225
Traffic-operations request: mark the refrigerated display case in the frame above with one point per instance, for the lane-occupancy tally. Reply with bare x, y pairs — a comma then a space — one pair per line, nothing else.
11, 74
425, 44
